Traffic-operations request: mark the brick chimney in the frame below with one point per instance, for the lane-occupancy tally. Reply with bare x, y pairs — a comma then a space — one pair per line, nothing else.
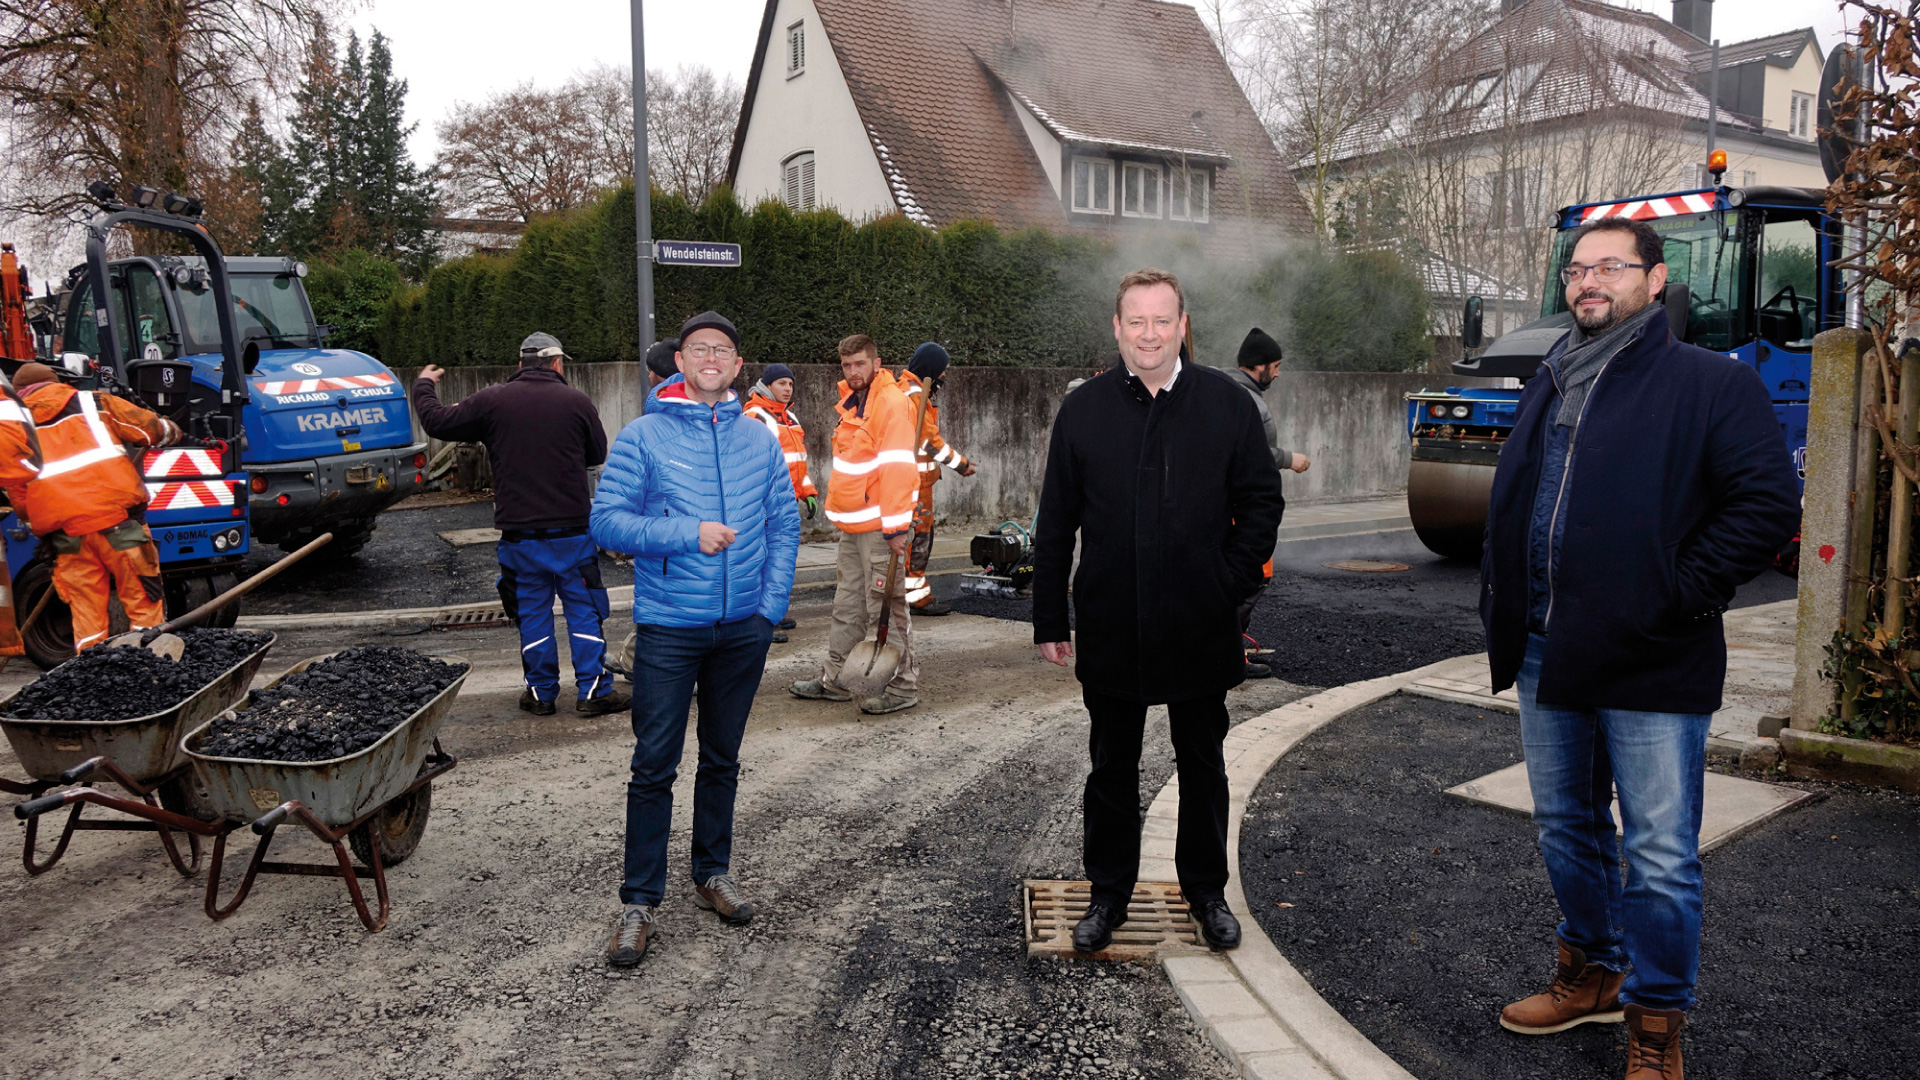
1695, 17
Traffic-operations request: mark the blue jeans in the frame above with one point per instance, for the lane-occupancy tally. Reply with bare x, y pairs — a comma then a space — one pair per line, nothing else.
725, 663
1576, 759
532, 571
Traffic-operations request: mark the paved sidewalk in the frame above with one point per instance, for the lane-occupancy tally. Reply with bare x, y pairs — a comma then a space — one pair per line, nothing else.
1759, 677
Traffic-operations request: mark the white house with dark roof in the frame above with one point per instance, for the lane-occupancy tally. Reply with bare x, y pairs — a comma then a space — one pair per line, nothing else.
1028, 114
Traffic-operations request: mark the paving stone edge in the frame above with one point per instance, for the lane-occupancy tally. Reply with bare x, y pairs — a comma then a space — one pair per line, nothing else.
1257, 1010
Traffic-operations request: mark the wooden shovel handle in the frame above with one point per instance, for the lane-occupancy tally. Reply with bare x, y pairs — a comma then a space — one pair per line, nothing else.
237, 591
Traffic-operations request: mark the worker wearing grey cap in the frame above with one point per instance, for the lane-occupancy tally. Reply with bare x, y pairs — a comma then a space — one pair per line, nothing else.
541, 437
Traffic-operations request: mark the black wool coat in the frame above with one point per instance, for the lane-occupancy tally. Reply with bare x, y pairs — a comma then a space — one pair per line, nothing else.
1680, 489
1175, 501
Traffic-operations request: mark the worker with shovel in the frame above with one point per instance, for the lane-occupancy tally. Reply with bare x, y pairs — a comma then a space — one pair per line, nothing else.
88, 501
870, 499
925, 372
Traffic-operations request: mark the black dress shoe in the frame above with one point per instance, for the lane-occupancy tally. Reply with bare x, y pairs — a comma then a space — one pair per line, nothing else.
1095, 931
1218, 928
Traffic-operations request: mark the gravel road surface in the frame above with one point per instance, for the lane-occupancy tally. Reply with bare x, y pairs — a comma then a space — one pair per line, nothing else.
1419, 916
886, 855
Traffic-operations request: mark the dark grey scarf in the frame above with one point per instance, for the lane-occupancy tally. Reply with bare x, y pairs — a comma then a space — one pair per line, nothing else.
1585, 356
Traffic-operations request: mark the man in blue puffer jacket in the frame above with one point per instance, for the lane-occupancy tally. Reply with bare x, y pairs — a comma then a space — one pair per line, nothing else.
702, 500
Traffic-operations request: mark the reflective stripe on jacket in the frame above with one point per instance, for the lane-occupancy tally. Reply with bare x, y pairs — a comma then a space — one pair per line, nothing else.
785, 426
87, 482
873, 480
934, 451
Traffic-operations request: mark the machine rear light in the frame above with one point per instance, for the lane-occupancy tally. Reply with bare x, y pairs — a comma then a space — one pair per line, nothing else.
420, 460
1461, 412
1438, 412
419, 478
258, 484
282, 501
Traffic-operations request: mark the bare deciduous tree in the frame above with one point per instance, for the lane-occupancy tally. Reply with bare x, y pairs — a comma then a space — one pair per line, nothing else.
690, 129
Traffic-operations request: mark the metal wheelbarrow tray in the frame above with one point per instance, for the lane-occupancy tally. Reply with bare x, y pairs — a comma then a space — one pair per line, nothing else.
142, 755
376, 799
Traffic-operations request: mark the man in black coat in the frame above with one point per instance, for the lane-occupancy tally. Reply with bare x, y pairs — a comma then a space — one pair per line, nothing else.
1644, 480
1163, 471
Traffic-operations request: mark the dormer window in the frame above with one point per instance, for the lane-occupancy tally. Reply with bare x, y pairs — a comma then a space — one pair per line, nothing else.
1800, 116
1189, 194
796, 49
1092, 185
1140, 190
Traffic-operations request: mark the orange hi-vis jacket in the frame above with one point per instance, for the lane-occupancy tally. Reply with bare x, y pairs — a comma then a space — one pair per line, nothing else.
934, 451
19, 464
874, 482
86, 481
793, 439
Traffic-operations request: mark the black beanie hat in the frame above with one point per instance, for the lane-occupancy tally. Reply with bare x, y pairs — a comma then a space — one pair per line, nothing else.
660, 357
710, 320
929, 361
1259, 349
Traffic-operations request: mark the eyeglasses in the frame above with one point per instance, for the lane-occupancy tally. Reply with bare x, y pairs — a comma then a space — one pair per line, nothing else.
701, 352
1606, 272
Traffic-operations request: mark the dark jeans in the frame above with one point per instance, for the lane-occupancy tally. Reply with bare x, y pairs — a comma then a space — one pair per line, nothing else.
1112, 802
726, 662
1577, 760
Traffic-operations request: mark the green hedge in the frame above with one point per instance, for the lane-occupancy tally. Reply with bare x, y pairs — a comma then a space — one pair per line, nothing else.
809, 279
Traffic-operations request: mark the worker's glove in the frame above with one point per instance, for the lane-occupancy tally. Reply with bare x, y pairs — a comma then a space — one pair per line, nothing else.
812, 503
967, 469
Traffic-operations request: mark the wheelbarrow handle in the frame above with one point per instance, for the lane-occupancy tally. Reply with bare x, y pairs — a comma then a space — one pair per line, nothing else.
271, 820
81, 771
33, 808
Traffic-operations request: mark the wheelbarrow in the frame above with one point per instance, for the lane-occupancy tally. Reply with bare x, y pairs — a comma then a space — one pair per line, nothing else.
142, 755
375, 801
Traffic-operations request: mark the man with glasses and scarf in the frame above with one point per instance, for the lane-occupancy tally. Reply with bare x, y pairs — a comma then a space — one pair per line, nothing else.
1645, 479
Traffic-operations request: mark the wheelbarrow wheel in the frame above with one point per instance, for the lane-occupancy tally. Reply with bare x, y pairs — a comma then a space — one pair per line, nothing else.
397, 828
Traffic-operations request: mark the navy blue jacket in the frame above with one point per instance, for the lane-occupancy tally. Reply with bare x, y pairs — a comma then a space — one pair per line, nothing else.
1679, 490
679, 465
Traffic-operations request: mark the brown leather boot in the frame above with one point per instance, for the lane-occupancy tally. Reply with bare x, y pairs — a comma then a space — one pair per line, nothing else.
1581, 993
1653, 1043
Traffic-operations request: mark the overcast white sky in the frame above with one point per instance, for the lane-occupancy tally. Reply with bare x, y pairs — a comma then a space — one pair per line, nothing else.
491, 45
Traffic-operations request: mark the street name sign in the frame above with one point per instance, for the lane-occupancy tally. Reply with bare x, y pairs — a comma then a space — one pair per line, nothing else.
695, 253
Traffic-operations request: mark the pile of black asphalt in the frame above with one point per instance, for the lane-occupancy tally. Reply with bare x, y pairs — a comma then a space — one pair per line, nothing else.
340, 706
1419, 916
124, 682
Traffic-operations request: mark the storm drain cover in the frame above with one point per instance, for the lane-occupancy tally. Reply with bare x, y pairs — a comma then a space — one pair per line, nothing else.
469, 620
1366, 566
1157, 917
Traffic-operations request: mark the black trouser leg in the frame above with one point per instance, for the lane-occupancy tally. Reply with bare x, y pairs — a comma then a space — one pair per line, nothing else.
1111, 806
1199, 728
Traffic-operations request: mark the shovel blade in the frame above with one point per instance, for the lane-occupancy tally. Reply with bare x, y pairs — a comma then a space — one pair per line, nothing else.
171, 646
875, 662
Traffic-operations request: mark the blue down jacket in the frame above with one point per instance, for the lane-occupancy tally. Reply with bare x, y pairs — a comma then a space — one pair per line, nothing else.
679, 465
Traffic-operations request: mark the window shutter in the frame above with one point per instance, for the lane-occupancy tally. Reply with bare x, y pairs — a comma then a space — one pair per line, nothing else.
806, 183
796, 47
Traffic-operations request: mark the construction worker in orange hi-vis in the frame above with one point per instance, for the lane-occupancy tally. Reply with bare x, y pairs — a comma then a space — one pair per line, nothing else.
870, 500
19, 464
923, 375
87, 498
770, 401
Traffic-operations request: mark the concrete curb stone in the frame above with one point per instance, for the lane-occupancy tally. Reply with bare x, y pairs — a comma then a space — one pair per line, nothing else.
1261, 1013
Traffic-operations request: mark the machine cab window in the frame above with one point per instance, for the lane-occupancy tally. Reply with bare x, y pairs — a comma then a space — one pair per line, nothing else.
152, 323
1789, 284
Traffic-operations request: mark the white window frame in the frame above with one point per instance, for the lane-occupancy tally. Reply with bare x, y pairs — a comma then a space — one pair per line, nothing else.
1094, 165
1800, 115
807, 196
797, 49
1204, 178
1159, 175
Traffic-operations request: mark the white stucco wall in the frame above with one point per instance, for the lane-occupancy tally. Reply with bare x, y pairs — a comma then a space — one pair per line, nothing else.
1781, 84
810, 111
1045, 146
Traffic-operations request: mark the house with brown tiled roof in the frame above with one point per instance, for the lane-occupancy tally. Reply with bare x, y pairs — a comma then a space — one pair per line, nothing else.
1099, 116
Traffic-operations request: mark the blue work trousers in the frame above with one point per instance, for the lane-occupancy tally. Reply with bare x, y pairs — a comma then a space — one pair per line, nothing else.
725, 663
1576, 761
532, 572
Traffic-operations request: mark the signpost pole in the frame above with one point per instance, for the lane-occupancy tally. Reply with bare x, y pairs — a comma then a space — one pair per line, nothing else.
642, 187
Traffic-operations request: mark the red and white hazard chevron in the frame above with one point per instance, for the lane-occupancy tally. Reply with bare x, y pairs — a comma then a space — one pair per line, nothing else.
1642, 209
336, 382
161, 464
189, 495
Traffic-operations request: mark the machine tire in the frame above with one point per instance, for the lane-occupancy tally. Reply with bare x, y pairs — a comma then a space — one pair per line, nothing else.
193, 592
49, 641
397, 828
226, 616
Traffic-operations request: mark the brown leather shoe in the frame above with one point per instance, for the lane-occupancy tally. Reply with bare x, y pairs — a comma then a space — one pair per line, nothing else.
632, 933
1581, 993
722, 897
1653, 1043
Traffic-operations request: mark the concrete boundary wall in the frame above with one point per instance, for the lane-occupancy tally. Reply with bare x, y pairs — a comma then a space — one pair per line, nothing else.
1352, 424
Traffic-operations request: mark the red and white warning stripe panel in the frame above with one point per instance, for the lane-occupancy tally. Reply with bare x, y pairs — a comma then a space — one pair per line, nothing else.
313, 386
189, 495
1642, 209
189, 462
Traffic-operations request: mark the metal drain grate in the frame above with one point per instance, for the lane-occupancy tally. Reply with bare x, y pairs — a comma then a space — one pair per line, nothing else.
1157, 918
1366, 566
470, 620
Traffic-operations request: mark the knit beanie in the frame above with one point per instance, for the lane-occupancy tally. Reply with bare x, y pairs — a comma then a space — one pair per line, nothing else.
929, 361
711, 320
774, 373
30, 374
660, 357
1259, 349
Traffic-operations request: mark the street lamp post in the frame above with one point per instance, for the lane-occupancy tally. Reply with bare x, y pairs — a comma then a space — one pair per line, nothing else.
642, 187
